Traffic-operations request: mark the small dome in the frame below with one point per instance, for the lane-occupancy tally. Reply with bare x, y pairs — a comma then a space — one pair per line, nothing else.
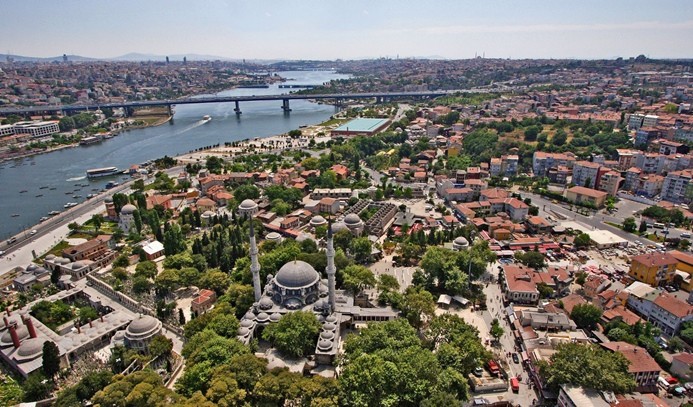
262, 317
273, 236
275, 317
321, 318
31, 267
461, 241
372, 188
319, 305
326, 335
77, 265
329, 326
22, 333
108, 199
324, 345
296, 274
208, 214
63, 260
265, 303
337, 226
331, 318
249, 315
142, 325
246, 323
30, 348
247, 204
317, 221
243, 331
128, 209
50, 257
352, 219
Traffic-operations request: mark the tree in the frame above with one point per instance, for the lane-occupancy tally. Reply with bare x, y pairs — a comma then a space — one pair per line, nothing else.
581, 278
361, 248
97, 221
544, 290
119, 273
387, 282
181, 317
295, 333
582, 240
146, 269
160, 345
643, 227
587, 366
357, 278
629, 224
141, 284
531, 259
142, 388
418, 306
215, 280
121, 261
36, 387
531, 133
586, 315
87, 314
496, 330
51, 359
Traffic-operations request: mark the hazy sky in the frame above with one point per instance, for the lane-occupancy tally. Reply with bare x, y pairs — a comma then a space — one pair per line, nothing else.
346, 29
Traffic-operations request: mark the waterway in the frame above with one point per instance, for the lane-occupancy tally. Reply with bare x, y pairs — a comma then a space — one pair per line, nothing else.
53, 179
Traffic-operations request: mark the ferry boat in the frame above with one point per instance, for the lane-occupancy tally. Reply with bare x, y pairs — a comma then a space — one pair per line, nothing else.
89, 140
206, 118
102, 172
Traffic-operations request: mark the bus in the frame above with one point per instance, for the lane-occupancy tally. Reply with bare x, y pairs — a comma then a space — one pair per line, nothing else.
658, 225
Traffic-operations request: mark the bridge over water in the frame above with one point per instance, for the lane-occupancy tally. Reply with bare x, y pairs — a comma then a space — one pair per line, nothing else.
285, 98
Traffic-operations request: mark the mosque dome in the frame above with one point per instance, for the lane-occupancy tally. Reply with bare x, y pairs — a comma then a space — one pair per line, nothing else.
262, 317
143, 326
247, 204
318, 220
30, 349
352, 219
296, 274
22, 333
128, 209
337, 226
265, 303
324, 345
275, 317
246, 323
461, 241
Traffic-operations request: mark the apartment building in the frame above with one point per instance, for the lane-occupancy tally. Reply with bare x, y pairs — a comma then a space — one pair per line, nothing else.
677, 187
609, 182
581, 195
542, 162
644, 369
586, 174
654, 269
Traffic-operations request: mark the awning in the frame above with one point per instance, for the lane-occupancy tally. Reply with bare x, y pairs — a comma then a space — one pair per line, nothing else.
460, 299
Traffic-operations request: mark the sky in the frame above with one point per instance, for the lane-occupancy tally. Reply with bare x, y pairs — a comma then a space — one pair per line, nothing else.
349, 29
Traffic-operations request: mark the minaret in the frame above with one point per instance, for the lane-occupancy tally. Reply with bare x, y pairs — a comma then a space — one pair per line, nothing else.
254, 263
330, 269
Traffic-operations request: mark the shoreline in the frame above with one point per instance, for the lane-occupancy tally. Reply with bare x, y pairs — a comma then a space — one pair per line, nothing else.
115, 133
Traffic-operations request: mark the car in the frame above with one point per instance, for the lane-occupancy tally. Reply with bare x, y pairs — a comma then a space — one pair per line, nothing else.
33, 232
12, 240
2, 252
685, 235
516, 359
670, 288
478, 371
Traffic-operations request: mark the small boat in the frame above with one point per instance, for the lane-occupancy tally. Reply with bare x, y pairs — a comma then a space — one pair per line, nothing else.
14, 215
77, 185
84, 185
68, 192
44, 218
76, 196
206, 118
43, 187
39, 195
53, 213
22, 191
52, 189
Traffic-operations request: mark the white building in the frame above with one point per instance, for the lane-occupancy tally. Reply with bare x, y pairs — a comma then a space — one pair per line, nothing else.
677, 186
37, 128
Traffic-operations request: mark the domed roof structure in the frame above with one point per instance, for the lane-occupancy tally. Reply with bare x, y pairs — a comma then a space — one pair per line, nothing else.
31, 267
77, 265
461, 241
30, 349
247, 204
50, 257
324, 345
128, 209
262, 317
317, 220
246, 323
6, 338
337, 226
208, 214
275, 317
265, 303
352, 219
143, 326
296, 274
243, 331
326, 335
331, 318
273, 236
329, 326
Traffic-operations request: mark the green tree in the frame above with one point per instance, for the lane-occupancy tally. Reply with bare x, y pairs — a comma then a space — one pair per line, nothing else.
121, 261
587, 366
643, 227
160, 345
246, 191
357, 278
146, 269
142, 388
418, 306
629, 224
36, 387
51, 359
582, 240
119, 273
97, 221
496, 329
215, 280
531, 259
361, 248
295, 333
141, 284
87, 314
586, 315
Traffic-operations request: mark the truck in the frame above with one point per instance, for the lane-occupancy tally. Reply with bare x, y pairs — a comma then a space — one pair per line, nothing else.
493, 367
514, 384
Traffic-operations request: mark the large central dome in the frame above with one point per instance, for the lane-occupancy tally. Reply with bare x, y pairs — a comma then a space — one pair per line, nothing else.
296, 274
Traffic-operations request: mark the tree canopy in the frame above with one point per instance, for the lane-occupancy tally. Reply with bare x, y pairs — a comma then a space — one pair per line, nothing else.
295, 334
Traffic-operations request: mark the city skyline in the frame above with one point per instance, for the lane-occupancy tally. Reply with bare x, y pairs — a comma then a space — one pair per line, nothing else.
357, 30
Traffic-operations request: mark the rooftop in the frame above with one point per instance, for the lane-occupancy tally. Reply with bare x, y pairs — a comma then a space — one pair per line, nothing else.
362, 125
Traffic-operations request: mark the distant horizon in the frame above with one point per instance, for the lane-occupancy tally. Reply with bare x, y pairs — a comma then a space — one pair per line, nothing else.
359, 29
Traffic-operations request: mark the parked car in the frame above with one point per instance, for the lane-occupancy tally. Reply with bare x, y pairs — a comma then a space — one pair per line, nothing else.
516, 359
33, 232
685, 235
478, 371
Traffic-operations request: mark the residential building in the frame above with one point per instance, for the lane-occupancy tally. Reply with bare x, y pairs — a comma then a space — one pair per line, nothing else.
654, 269
203, 302
609, 182
668, 313
328, 205
581, 195
542, 162
586, 174
576, 396
640, 297
677, 187
644, 369
682, 365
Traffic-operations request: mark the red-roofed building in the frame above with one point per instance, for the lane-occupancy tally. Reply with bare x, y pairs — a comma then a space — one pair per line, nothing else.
681, 365
668, 313
643, 367
203, 302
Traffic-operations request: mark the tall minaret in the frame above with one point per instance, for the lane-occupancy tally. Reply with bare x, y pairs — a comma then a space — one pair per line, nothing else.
330, 269
254, 263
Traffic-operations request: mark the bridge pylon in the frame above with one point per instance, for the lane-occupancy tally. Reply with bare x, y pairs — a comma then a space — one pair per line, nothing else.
285, 105
237, 109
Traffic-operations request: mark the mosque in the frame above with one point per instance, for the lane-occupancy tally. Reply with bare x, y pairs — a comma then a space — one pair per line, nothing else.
297, 286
